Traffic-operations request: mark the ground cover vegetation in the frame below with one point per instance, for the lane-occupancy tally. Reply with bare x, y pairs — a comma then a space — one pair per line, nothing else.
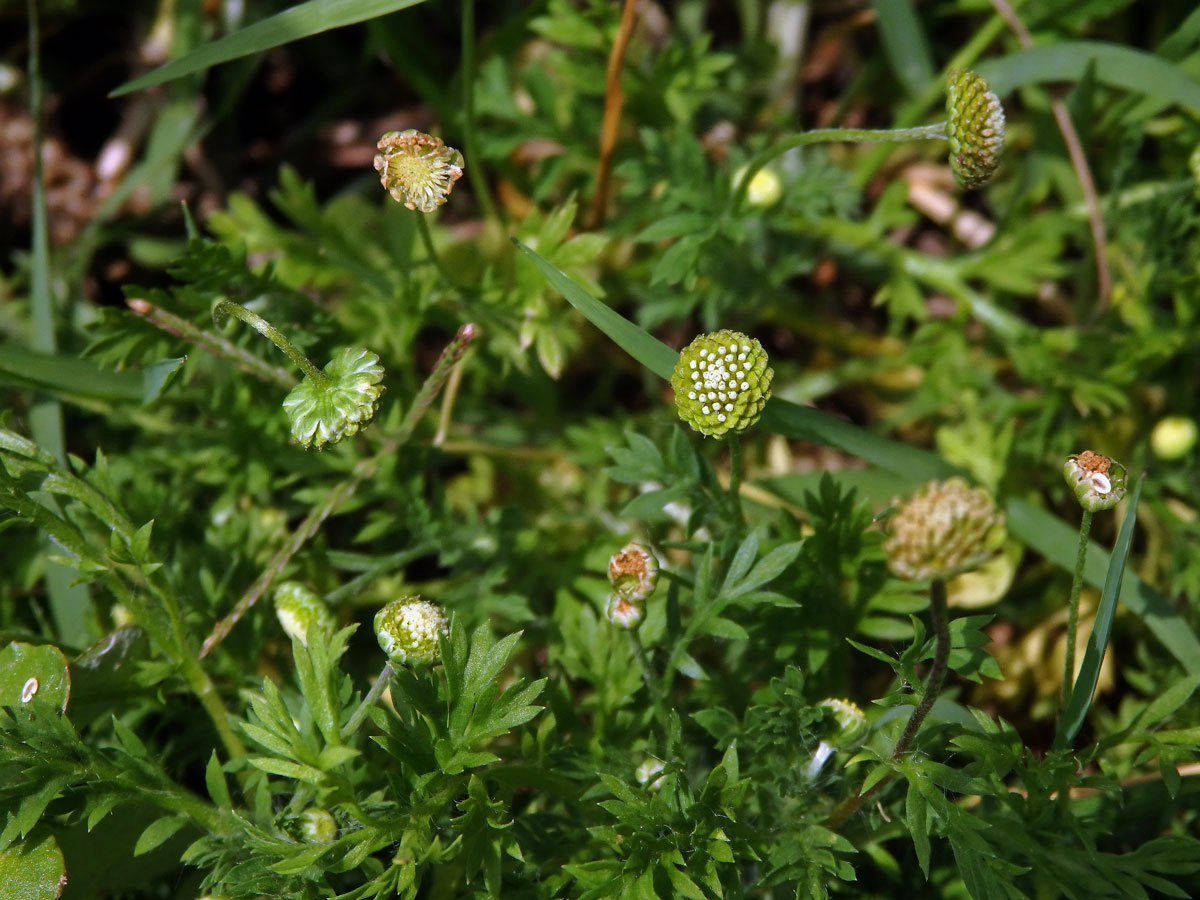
579, 449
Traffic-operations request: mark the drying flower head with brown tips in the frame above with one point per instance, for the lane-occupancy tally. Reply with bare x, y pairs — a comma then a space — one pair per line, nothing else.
418, 169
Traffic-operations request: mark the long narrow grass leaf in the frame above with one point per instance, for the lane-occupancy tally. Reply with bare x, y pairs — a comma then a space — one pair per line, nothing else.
904, 43
1093, 655
1123, 67
301, 21
1036, 527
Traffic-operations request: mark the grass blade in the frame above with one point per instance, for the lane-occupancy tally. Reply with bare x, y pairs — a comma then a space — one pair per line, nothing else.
1093, 656
1123, 67
301, 21
68, 601
904, 44
1036, 527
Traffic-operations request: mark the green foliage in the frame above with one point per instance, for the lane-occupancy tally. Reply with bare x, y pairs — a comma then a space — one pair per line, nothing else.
160, 734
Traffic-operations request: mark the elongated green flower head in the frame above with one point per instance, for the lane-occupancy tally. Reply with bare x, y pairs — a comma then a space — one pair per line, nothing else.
417, 169
946, 528
633, 571
721, 382
975, 128
1097, 481
852, 725
300, 611
324, 414
408, 629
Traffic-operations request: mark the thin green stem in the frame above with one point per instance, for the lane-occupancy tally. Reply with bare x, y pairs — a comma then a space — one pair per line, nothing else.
933, 687
431, 251
650, 677
937, 674
479, 184
368, 701
735, 480
1085, 528
825, 135
212, 343
271, 333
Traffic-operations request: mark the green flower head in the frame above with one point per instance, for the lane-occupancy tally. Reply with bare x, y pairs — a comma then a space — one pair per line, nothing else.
325, 413
975, 129
417, 169
408, 631
300, 611
624, 613
850, 722
317, 826
721, 382
1097, 481
948, 527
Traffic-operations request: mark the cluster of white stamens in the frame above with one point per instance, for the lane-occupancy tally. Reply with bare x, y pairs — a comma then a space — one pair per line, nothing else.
722, 378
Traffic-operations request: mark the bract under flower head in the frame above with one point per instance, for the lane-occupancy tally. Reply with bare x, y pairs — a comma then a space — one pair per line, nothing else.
299, 611
721, 382
633, 571
325, 413
1097, 481
418, 169
408, 629
946, 528
852, 725
975, 129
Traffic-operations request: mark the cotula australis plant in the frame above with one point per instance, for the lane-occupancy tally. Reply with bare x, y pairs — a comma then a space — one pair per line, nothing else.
680, 716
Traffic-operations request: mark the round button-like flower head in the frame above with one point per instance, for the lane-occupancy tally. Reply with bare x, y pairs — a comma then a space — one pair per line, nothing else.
317, 826
300, 611
721, 382
417, 169
408, 630
946, 528
325, 413
624, 613
851, 723
633, 571
975, 129
1097, 481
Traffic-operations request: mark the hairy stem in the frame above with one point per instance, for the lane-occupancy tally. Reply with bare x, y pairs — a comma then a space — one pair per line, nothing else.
735, 481
373, 695
1085, 528
271, 333
824, 135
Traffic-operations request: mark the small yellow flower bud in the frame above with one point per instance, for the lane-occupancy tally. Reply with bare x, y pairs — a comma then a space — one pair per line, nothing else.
1173, 437
764, 189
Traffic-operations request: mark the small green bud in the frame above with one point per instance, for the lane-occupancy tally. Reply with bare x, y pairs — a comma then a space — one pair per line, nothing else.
324, 414
408, 631
624, 613
1173, 437
851, 722
1097, 481
1194, 165
633, 571
721, 382
299, 611
317, 826
417, 169
946, 528
975, 129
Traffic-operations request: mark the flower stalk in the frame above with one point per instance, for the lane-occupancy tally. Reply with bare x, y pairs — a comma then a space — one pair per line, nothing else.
226, 308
